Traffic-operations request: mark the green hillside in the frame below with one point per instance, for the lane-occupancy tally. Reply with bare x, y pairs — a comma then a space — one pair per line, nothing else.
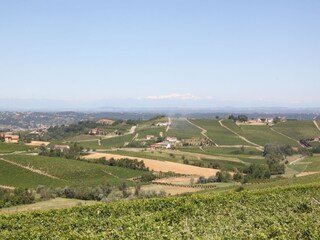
278, 213
143, 132
298, 129
261, 135
115, 142
9, 147
68, 172
182, 129
217, 133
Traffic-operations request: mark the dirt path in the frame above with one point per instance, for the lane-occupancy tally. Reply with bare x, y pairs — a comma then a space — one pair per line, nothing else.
315, 123
132, 130
203, 132
30, 169
7, 187
111, 174
167, 129
298, 160
306, 174
135, 137
202, 149
259, 147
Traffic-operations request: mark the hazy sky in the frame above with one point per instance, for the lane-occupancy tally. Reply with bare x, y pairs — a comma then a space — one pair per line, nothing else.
215, 51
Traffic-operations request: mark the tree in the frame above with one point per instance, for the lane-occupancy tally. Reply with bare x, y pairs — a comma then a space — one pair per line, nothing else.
232, 117
242, 118
242, 149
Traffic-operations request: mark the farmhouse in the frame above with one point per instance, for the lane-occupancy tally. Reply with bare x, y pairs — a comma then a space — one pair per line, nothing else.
8, 138
93, 131
161, 145
172, 139
162, 124
61, 148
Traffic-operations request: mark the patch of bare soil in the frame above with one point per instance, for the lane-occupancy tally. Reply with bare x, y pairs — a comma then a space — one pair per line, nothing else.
163, 166
306, 174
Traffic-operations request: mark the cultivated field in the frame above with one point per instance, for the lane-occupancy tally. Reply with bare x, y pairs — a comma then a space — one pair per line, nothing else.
61, 172
298, 129
260, 135
182, 129
57, 203
9, 147
217, 133
162, 166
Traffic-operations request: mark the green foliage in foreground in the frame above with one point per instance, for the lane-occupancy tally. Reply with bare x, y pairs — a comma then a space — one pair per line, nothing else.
280, 213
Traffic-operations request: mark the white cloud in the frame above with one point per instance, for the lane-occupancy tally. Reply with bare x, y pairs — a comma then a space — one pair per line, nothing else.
177, 96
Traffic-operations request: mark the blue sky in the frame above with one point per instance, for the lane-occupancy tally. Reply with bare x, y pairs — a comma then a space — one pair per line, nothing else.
255, 53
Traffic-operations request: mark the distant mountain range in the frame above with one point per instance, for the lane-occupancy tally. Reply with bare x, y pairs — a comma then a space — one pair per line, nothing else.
145, 105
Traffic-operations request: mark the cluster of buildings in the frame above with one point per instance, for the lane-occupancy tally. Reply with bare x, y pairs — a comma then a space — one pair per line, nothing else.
10, 137
162, 124
168, 143
262, 121
61, 148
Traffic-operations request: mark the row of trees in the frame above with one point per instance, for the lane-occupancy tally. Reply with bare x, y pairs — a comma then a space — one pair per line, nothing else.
240, 118
73, 152
221, 176
15, 197
103, 192
124, 163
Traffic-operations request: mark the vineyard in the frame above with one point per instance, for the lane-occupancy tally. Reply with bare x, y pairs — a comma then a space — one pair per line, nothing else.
277, 213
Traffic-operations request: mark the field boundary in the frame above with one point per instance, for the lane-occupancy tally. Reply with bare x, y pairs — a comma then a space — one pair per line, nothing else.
185, 186
272, 129
259, 147
315, 123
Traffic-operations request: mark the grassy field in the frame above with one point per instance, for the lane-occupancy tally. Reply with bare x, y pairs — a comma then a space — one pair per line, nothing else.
69, 172
182, 129
11, 147
83, 137
11, 175
298, 129
276, 213
115, 142
235, 151
313, 164
57, 203
261, 135
217, 133
143, 132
